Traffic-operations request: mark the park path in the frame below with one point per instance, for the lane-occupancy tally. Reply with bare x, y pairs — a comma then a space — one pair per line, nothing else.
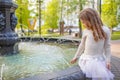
115, 48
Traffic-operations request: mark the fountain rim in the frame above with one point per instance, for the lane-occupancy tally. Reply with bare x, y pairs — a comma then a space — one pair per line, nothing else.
48, 39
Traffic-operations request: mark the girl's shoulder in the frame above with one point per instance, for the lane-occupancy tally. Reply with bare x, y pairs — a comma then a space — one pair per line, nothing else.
86, 32
106, 29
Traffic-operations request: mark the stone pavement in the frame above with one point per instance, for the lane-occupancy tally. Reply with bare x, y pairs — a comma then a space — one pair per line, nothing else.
115, 62
115, 67
115, 48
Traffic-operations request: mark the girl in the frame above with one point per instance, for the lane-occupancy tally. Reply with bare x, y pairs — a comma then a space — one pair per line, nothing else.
95, 46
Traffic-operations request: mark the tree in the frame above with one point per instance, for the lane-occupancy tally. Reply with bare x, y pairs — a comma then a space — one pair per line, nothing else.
22, 13
109, 11
74, 6
52, 14
118, 15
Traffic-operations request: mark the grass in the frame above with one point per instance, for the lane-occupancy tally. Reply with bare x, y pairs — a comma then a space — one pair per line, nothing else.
51, 35
42, 35
115, 35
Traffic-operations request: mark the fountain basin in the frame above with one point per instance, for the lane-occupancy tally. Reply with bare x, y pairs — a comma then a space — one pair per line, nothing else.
38, 56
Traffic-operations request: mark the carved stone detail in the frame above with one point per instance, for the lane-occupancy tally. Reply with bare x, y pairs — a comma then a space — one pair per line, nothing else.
13, 21
2, 21
8, 21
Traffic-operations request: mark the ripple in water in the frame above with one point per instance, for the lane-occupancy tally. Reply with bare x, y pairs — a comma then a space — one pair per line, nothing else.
35, 58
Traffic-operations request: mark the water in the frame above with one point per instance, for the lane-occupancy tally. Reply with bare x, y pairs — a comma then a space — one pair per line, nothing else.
35, 58
1, 72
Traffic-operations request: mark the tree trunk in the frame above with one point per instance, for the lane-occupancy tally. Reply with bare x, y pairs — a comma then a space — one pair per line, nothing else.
80, 26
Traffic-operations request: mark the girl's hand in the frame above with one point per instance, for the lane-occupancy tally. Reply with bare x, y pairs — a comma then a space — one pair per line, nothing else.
73, 60
108, 65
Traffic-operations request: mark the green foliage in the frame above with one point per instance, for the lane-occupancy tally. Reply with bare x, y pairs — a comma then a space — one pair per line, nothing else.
74, 6
51, 14
22, 12
115, 35
109, 12
45, 29
70, 6
118, 14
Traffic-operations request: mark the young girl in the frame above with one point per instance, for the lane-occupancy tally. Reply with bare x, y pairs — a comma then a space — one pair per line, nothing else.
95, 46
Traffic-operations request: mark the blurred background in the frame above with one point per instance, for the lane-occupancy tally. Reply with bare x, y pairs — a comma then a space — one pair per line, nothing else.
56, 18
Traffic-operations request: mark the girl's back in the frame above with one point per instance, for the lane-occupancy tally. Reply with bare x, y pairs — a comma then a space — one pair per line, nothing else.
91, 46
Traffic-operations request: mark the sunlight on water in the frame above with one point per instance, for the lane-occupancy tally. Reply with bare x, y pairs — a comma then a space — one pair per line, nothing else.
35, 58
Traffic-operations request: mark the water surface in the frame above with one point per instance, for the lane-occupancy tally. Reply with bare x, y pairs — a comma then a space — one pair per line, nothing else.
35, 58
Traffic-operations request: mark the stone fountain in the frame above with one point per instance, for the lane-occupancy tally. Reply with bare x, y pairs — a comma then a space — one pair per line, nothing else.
8, 22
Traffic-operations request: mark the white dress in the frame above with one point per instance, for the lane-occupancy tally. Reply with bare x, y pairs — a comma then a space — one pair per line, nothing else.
94, 55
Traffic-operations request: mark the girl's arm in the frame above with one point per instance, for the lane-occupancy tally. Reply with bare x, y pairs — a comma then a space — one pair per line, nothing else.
81, 45
107, 48
80, 48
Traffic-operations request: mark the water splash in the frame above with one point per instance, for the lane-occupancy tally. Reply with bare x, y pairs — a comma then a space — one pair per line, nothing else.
1, 73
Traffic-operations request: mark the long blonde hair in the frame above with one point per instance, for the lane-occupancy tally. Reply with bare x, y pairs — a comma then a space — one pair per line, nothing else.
93, 22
